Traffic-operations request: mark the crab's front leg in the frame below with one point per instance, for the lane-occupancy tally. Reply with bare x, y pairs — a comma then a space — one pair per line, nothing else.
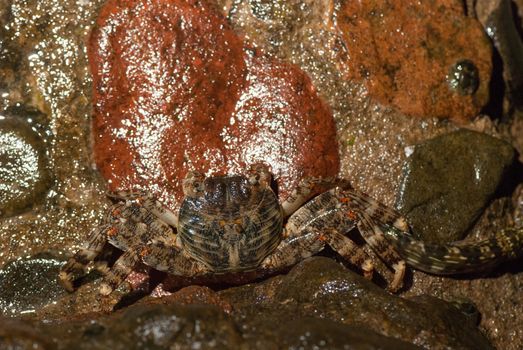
76, 266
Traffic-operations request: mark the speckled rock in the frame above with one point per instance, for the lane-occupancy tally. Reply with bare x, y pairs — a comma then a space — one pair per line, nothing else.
27, 285
45, 70
449, 180
406, 52
24, 165
215, 109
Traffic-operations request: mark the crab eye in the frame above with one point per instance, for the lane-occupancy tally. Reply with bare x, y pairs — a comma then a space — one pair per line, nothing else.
254, 179
193, 183
259, 174
197, 186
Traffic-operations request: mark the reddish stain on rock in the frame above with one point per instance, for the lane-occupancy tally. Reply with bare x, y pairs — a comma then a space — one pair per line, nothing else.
404, 50
175, 89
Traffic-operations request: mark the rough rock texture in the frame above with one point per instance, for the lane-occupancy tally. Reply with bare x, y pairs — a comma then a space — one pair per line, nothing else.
449, 180
44, 69
497, 293
406, 52
372, 137
24, 164
321, 303
157, 97
318, 287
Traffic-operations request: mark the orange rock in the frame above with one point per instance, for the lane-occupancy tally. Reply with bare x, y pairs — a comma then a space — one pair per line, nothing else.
405, 51
175, 89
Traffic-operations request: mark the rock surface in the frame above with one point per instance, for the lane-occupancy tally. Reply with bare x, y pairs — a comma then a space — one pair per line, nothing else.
157, 97
321, 303
406, 52
25, 285
24, 165
449, 180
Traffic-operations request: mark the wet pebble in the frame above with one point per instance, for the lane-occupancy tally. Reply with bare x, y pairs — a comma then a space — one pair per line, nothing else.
449, 180
29, 284
463, 77
24, 166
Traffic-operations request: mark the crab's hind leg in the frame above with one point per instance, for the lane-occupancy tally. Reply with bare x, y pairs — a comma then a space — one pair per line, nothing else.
139, 228
374, 210
77, 265
374, 236
119, 271
371, 216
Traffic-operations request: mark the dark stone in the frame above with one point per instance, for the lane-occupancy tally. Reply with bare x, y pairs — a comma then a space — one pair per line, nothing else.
16, 334
449, 180
321, 288
29, 284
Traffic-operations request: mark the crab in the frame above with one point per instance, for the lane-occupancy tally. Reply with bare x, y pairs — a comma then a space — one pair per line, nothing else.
235, 224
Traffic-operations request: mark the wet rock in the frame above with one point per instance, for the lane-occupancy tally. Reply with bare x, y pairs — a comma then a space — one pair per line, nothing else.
500, 24
15, 334
321, 303
24, 166
29, 284
404, 51
319, 287
449, 180
160, 123
161, 326
316, 333
371, 138
192, 295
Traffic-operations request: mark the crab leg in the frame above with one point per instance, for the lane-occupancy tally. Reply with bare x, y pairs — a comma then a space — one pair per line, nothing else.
456, 258
342, 208
149, 202
137, 215
362, 201
306, 188
371, 215
118, 272
171, 259
310, 228
82, 258
374, 209
375, 237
